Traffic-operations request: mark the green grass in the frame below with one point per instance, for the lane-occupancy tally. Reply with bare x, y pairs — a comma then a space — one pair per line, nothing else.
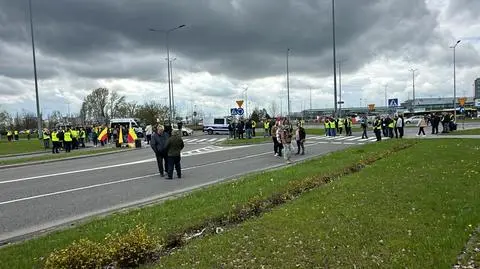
415, 209
21, 146
238, 142
57, 156
193, 209
466, 132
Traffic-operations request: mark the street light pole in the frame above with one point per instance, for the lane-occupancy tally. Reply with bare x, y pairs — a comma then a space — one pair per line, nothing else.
386, 101
39, 116
288, 87
413, 87
454, 82
170, 92
334, 61
171, 86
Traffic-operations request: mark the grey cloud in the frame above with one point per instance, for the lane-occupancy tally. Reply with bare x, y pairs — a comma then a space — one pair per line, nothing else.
243, 42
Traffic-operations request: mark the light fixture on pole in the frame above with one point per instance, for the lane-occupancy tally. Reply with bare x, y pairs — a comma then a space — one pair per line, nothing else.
454, 81
413, 87
288, 87
334, 62
39, 116
170, 92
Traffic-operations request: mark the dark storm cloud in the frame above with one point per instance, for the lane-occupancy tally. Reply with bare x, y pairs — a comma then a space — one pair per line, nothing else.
241, 39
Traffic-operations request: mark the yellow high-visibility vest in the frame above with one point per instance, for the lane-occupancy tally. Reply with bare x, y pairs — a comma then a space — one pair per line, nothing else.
54, 137
67, 136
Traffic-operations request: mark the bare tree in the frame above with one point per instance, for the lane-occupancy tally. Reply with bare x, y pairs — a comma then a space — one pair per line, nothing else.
101, 105
151, 111
5, 120
116, 101
128, 110
55, 118
29, 120
273, 108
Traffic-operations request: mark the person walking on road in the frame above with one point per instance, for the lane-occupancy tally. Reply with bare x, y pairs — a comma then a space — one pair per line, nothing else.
174, 148
377, 128
286, 138
300, 138
421, 126
158, 144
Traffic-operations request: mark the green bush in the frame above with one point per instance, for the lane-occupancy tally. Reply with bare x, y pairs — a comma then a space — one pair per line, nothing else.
133, 248
81, 254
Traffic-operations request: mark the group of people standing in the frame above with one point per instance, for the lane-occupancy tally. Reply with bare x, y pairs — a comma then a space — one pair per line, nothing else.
282, 133
167, 144
388, 126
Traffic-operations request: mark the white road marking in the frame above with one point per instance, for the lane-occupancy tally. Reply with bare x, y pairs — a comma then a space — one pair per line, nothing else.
354, 138
202, 140
342, 137
213, 139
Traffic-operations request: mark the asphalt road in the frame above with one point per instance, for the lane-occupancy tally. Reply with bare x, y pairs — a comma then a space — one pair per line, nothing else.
38, 197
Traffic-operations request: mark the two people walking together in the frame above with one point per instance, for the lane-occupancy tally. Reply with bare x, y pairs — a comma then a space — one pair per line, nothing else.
167, 150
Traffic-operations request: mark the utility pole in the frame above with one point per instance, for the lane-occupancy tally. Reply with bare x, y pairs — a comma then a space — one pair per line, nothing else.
386, 100
454, 82
334, 62
340, 86
413, 87
171, 87
39, 116
288, 87
310, 99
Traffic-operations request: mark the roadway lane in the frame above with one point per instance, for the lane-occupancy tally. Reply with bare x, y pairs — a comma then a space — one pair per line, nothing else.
38, 197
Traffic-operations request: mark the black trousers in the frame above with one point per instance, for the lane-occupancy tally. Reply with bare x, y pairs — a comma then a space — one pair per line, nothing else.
174, 162
420, 130
396, 132
300, 145
275, 144
378, 134
55, 146
68, 146
435, 129
400, 132
364, 134
161, 161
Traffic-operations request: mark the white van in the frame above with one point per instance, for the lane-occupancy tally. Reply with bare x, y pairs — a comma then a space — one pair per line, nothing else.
128, 122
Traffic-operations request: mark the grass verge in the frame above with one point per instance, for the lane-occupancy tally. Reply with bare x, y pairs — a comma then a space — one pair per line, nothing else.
187, 213
466, 132
62, 155
238, 142
415, 209
21, 146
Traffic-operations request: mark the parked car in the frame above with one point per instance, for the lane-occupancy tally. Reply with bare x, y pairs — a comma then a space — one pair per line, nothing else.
187, 131
413, 120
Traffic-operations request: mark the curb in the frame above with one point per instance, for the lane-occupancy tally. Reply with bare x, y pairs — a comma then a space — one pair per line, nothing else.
29, 153
63, 159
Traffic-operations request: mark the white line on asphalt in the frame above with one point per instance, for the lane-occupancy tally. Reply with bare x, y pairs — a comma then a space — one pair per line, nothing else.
202, 140
337, 143
342, 137
354, 138
211, 140
193, 140
124, 180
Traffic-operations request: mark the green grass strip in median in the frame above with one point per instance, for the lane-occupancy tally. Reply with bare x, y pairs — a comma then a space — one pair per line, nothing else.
466, 132
238, 142
414, 209
194, 209
83, 152
21, 146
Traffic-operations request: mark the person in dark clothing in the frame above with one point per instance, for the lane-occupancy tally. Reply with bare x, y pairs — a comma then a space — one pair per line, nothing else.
435, 123
364, 124
300, 138
174, 148
180, 125
377, 128
158, 144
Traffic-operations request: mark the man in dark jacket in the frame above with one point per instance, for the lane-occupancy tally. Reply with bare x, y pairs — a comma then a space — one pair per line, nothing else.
159, 146
174, 147
300, 138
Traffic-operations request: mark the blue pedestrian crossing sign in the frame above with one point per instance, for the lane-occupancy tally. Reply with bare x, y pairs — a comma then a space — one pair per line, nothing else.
237, 111
393, 102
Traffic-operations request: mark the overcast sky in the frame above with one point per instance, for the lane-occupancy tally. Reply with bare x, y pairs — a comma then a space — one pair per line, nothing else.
231, 44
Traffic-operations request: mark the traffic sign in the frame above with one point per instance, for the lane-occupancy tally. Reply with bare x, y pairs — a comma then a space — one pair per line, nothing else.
371, 107
462, 101
393, 102
236, 111
462, 109
239, 103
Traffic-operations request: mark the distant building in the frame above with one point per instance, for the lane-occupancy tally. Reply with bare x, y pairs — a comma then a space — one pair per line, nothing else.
477, 88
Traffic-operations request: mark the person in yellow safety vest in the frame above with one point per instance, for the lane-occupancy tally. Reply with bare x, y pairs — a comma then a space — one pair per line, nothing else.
28, 134
377, 128
67, 140
15, 134
46, 139
74, 139
254, 126
9, 135
340, 125
266, 128
348, 126
55, 141
390, 125
333, 127
327, 127
82, 136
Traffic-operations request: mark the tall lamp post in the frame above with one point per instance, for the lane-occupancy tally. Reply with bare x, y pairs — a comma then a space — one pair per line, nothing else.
171, 86
334, 62
413, 87
39, 116
340, 86
454, 82
288, 87
170, 92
